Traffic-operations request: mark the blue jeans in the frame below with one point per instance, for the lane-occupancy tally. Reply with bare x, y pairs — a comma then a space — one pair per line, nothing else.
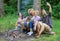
31, 25
25, 24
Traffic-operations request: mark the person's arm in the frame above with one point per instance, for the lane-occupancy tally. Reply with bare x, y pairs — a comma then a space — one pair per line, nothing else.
17, 23
32, 19
25, 19
50, 8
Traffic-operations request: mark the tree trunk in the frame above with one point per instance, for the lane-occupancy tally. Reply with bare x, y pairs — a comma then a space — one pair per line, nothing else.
18, 6
1, 8
37, 5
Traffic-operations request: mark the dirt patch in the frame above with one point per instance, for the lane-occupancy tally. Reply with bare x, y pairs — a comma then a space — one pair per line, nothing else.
24, 37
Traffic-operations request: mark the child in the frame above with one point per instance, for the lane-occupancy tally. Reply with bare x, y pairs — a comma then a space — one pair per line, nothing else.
33, 20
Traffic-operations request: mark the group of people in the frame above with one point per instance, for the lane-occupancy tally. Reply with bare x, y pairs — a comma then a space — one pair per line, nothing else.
35, 23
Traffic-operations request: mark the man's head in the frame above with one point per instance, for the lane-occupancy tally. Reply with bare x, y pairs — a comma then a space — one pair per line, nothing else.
43, 12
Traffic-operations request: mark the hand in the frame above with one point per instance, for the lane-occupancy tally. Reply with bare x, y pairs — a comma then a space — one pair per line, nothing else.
15, 24
48, 4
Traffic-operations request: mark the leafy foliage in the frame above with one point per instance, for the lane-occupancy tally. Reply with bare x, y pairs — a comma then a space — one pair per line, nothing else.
11, 6
55, 6
25, 5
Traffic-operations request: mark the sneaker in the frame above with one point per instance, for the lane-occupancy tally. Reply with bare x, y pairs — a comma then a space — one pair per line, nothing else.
30, 33
52, 33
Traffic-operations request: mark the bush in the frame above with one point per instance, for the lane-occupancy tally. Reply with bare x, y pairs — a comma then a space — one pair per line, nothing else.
56, 11
55, 6
11, 6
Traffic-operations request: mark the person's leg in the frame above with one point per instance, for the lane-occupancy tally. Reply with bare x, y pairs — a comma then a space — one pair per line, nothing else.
31, 25
38, 27
41, 28
48, 29
25, 27
28, 29
35, 26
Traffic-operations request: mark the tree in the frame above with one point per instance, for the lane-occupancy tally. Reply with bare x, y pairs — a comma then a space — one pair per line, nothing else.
37, 5
25, 5
18, 6
1, 8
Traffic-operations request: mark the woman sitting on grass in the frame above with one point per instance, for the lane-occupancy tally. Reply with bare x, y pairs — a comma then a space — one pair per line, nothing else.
46, 24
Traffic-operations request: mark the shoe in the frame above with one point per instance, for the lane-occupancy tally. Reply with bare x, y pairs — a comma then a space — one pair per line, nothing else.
52, 33
30, 33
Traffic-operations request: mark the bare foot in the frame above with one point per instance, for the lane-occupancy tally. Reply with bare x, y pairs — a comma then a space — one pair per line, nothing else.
38, 36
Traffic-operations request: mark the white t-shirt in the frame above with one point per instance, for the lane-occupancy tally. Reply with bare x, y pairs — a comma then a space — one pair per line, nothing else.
35, 18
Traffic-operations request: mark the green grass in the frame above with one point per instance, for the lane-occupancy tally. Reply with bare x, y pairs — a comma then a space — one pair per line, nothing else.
8, 22
56, 28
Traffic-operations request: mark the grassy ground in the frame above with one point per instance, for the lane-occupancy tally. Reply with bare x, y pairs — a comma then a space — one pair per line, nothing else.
8, 22
56, 28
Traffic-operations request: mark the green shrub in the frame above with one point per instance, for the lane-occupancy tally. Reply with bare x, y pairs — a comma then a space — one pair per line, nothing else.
10, 6
55, 6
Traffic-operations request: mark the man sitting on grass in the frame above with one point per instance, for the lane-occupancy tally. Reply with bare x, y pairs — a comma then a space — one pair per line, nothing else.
20, 24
